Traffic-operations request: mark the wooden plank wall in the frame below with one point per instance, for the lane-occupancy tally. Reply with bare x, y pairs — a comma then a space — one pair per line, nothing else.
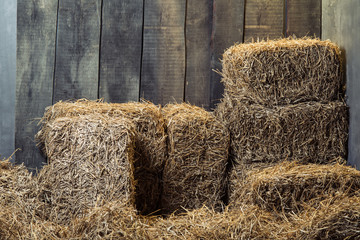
160, 50
7, 77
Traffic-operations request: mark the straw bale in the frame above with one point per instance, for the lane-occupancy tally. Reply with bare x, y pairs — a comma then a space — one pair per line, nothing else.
336, 218
285, 71
91, 162
308, 132
288, 185
150, 141
197, 157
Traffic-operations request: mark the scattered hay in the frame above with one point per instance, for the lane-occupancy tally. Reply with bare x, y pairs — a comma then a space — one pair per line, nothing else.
307, 132
248, 222
284, 71
91, 159
150, 141
335, 218
111, 221
288, 185
198, 149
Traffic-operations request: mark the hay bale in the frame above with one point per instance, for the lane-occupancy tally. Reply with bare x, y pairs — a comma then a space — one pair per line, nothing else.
285, 71
150, 141
288, 185
91, 162
197, 158
307, 132
336, 218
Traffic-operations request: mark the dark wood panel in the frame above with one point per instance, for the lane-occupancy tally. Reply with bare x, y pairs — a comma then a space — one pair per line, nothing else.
264, 19
303, 18
121, 44
36, 34
198, 52
340, 23
163, 64
7, 77
77, 52
228, 29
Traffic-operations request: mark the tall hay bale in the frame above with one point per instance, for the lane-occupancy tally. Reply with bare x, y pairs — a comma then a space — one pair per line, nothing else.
91, 162
197, 157
150, 141
307, 132
288, 185
285, 71
336, 218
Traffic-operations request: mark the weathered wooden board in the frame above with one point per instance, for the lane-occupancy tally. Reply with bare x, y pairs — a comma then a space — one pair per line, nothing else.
264, 19
77, 51
198, 52
121, 44
228, 29
36, 35
303, 18
340, 23
163, 63
7, 77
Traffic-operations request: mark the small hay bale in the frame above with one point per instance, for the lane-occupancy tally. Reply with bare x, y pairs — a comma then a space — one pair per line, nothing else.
91, 162
336, 218
198, 149
284, 71
248, 222
307, 132
288, 185
150, 141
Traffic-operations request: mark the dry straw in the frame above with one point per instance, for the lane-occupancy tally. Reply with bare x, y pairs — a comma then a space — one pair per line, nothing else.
150, 140
308, 132
198, 149
287, 186
91, 162
284, 71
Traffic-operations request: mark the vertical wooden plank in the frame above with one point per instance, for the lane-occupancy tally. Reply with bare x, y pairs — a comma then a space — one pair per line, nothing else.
7, 77
77, 52
264, 19
198, 52
303, 18
121, 44
163, 64
340, 21
36, 34
228, 29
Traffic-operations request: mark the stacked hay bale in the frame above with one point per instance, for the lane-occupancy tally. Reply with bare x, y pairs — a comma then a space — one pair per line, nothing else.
150, 141
197, 157
283, 100
91, 162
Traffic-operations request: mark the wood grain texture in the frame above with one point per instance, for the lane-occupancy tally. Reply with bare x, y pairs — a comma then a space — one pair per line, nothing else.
228, 29
198, 52
36, 35
303, 18
7, 77
163, 63
77, 52
264, 19
121, 44
340, 23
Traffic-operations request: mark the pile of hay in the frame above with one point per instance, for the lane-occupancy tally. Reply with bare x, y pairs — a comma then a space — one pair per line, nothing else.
91, 163
285, 71
307, 132
335, 218
288, 185
197, 157
150, 141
